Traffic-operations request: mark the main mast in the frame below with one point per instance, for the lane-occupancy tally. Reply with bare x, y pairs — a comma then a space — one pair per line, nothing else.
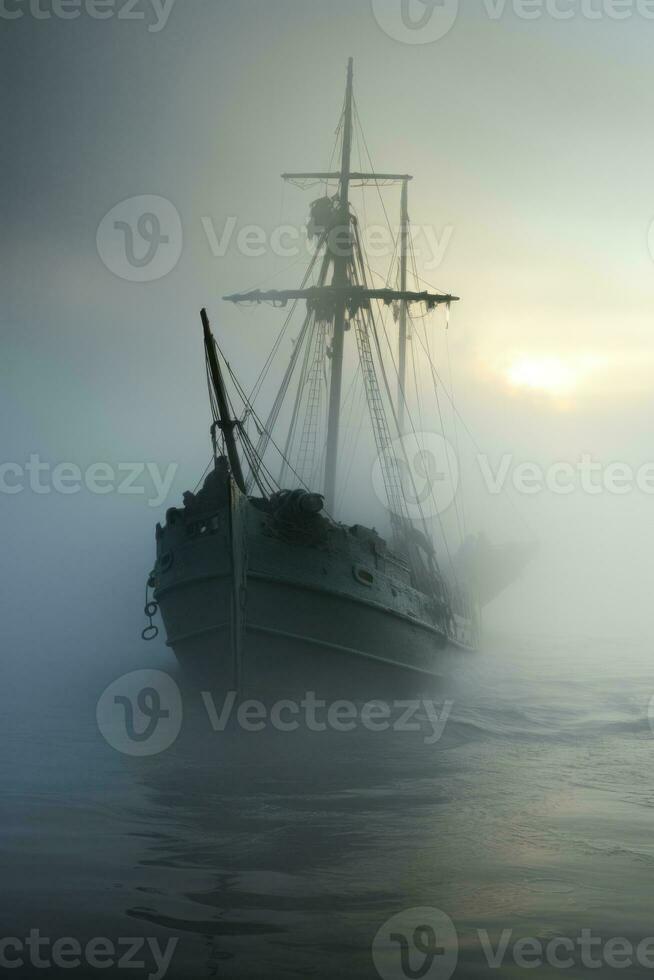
348, 295
340, 244
404, 307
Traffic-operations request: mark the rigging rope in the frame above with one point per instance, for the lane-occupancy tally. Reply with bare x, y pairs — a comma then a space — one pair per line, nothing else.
460, 526
271, 356
360, 273
459, 507
290, 438
251, 410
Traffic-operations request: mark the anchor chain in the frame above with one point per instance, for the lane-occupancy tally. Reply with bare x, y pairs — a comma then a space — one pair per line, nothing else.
150, 632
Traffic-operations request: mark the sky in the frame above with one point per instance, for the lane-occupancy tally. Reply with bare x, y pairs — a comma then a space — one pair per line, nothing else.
530, 140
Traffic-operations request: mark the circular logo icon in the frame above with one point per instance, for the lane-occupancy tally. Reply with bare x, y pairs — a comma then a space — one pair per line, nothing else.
141, 713
141, 239
419, 942
424, 467
416, 21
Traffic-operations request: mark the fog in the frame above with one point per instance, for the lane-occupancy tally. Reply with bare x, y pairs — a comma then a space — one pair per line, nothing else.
525, 139
163, 128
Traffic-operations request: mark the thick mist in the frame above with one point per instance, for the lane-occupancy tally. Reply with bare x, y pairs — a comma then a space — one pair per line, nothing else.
142, 155
546, 245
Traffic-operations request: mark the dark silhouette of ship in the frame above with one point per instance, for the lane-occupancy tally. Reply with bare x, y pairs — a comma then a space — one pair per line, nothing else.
254, 577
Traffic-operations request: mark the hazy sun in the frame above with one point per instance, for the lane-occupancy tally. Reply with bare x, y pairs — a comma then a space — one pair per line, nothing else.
544, 373
551, 374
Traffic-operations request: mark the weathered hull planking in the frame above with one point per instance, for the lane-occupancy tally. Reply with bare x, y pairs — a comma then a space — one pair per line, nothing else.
250, 595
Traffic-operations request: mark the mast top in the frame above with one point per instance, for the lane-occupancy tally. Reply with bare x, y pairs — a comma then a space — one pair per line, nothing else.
340, 298
347, 140
224, 422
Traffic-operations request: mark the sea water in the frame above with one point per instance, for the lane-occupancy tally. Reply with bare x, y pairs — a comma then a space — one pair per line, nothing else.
519, 841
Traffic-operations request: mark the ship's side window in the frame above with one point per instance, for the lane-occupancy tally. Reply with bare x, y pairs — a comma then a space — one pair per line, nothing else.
363, 575
210, 526
165, 562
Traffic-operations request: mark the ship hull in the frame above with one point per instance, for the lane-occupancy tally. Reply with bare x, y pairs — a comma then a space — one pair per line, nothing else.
248, 608
299, 636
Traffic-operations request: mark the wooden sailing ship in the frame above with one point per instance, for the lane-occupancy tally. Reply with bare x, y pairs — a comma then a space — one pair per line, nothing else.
255, 577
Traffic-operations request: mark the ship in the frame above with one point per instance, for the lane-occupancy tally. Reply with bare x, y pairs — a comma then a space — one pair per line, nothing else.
256, 578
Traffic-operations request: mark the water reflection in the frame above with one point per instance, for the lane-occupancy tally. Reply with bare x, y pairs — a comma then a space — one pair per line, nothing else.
281, 854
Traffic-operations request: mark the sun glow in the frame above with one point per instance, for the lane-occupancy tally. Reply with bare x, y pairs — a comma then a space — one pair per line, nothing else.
551, 374
543, 373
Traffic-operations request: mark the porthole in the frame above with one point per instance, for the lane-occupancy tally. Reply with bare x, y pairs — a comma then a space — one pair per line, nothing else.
166, 562
363, 575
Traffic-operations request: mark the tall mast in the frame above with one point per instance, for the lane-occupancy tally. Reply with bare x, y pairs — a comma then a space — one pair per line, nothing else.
226, 423
342, 254
404, 309
345, 296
